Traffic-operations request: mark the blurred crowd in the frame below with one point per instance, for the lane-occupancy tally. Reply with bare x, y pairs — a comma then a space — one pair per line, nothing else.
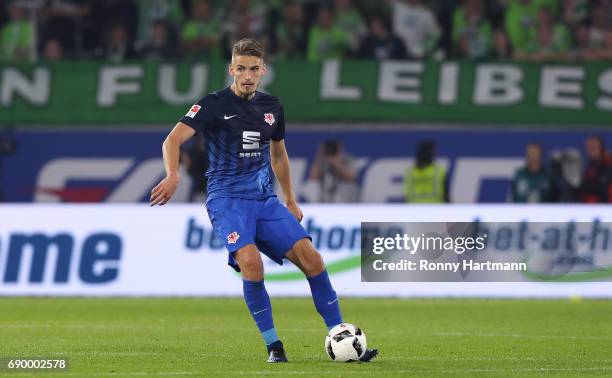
559, 176
117, 30
565, 177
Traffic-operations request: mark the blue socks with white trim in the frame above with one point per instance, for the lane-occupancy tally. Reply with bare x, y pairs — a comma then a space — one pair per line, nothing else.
258, 302
325, 299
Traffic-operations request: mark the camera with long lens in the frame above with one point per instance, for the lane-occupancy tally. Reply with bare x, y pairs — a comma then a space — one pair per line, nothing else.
331, 147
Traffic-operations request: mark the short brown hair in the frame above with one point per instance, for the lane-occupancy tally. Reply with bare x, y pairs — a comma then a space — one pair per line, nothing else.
248, 47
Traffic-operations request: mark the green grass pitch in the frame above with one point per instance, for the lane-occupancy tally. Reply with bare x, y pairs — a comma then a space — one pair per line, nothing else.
217, 337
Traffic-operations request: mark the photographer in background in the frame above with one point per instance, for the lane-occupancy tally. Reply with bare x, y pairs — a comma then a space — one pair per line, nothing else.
7, 147
195, 160
334, 170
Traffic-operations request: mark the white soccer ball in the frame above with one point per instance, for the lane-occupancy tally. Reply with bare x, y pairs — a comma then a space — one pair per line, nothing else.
345, 342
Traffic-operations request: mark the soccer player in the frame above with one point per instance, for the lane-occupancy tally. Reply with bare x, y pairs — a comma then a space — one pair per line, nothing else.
244, 131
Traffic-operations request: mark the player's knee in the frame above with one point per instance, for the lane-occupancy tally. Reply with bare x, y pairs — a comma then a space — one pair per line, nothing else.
311, 259
315, 264
252, 270
251, 265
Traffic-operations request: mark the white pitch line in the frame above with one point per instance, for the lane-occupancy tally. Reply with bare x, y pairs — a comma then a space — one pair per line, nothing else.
129, 373
343, 372
142, 354
301, 330
314, 358
423, 371
459, 358
518, 335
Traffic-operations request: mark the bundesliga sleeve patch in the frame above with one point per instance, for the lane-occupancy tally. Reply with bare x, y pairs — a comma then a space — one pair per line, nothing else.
193, 111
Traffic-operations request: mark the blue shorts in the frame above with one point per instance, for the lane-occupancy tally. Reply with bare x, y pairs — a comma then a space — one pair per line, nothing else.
266, 223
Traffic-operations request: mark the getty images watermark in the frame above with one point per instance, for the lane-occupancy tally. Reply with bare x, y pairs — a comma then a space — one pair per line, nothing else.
486, 252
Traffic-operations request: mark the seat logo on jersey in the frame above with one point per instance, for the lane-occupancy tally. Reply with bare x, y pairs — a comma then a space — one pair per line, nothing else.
233, 238
193, 111
250, 140
269, 118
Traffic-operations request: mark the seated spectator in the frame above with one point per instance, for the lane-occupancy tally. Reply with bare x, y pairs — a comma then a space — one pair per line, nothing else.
426, 181
551, 41
380, 44
17, 36
160, 46
290, 33
472, 33
63, 20
596, 186
149, 12
520, 21
118, 47
102, 15
416, 25
201, 35
53, 51
325, 41
531, 183
335, 171
350, 21
595, 40
246, 18
575, 13
501, 44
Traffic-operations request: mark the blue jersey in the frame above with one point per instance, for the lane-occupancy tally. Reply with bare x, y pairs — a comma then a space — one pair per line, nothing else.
237, 133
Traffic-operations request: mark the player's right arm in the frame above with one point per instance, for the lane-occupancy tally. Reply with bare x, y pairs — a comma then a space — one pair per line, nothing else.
171, 152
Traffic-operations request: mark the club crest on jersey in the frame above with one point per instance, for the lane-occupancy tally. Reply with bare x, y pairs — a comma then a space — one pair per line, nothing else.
233, 238
269, 118
193, 111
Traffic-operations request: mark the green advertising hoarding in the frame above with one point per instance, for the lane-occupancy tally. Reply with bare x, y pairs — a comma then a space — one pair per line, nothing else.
352, 91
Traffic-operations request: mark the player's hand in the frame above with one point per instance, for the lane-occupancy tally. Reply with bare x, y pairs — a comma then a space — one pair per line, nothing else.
295, 210
164, 190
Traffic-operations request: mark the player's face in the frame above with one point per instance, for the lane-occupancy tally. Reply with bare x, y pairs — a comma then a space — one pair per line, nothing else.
247, 72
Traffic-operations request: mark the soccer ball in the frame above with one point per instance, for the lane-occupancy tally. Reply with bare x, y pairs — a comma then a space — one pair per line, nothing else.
345, 342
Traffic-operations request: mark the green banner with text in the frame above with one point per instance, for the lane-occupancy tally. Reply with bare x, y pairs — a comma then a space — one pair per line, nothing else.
333, 91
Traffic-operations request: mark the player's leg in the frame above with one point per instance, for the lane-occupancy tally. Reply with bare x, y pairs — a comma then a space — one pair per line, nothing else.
258, 300
305, 256
280, 235
234, 222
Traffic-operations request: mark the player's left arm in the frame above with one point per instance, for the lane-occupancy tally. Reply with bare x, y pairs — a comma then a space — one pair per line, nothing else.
280, 165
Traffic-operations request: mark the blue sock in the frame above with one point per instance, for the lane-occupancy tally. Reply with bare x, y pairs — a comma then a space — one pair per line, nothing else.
258, 302
325, 299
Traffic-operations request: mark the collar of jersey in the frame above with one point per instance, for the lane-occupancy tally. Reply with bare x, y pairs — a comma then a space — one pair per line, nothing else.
229, 89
